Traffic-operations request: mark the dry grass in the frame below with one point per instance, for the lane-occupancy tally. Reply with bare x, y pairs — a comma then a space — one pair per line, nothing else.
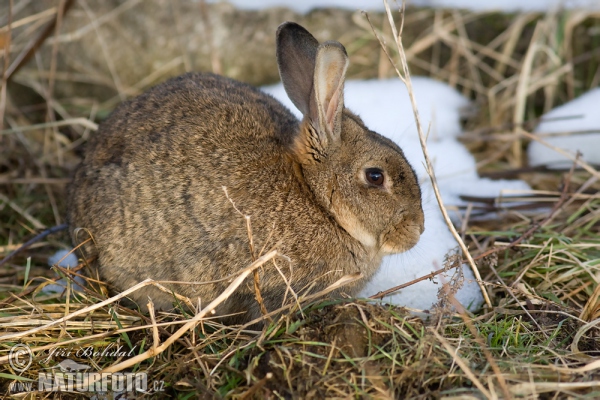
540, 263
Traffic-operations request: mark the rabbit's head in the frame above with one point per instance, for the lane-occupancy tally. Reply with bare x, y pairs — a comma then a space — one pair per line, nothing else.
362, 178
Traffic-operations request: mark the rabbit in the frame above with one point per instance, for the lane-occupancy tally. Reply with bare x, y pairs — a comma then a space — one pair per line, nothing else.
165, 179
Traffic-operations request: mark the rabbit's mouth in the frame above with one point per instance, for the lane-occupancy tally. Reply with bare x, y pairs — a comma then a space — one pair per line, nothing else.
401, 239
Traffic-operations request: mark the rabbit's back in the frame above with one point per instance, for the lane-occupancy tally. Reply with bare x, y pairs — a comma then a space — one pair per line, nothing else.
209, 110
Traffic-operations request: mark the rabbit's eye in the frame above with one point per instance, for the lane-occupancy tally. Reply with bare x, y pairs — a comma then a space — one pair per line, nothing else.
374, 176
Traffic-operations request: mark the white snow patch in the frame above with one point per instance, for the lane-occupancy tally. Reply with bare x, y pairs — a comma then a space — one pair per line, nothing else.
65, 259
580, 114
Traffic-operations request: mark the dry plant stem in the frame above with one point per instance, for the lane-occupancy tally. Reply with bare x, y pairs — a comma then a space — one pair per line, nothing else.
522, 92
37, 238
565, 153
256, 387
185, 54
26, 20
50, 114
35, 181
594, 365
106, 53
155, 335
18, 335
6, 65
51, 79
215, 58
557, 207
86, 123
510, 291
32, 220
381, 295
32, 289
532, 390
154, 351
463, 365
179, 297
590, 310
257, 294
405, 77
582, 331
344, 280
486, 352
35, 44
91, 338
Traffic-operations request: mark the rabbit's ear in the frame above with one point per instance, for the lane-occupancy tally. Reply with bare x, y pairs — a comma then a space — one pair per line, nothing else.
313, 78
328, 90
296, 54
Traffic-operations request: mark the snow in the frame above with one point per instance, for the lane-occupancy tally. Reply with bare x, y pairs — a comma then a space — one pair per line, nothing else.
385, 107
377, 5
580, 114
65, 259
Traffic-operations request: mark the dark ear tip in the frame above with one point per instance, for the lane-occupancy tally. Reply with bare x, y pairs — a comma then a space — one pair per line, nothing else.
290, 27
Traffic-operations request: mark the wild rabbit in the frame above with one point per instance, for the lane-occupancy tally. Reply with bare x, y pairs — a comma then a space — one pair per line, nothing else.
161, 179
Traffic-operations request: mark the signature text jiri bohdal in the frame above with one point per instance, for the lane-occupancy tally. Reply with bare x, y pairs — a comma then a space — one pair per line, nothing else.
111, 350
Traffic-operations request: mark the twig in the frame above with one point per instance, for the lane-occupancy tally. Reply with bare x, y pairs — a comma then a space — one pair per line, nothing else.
486, 352
35, 43
257, 295
3, 87
215, 57
344, 280
36, 238
462, 364
564, 195
86, 123
155, 335
576, 159
381, 295
154, 351
18, 335
256, 387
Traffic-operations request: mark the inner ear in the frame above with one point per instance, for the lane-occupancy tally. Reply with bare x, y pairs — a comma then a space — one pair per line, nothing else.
330, 70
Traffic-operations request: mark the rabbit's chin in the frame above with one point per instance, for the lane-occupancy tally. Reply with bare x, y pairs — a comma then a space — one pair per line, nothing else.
403, 243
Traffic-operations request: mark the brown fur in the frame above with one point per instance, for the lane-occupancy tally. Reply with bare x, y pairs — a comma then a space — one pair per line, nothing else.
150, 188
